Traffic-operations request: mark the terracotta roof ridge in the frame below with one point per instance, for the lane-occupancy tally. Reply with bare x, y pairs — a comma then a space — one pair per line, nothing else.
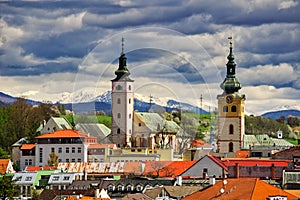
218, 161
254, 188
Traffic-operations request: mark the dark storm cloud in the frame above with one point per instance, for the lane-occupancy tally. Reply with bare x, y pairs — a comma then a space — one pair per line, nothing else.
269, 34
35, 70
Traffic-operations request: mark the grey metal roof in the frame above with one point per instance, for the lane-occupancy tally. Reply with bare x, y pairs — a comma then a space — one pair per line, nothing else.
156, 123
62, 123
250, 140
95, 129
25, 178
281, 142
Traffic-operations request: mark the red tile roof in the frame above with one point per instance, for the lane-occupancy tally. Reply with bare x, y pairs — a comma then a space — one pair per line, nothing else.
3, 165
33, 168
100, 146
242, 154
27, 146
242, 189
62, 134
166, 168
256, 162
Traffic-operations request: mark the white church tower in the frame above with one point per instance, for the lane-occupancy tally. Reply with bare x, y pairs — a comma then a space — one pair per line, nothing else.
122, 98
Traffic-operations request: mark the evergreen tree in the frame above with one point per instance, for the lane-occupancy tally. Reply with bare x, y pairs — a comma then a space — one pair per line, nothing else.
8, 189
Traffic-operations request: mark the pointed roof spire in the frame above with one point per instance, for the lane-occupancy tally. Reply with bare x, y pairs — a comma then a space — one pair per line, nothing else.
230, 84
122, 72
230, 64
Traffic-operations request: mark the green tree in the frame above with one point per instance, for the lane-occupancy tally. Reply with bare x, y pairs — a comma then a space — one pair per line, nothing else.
53, 159
35, 195
8, 188
3, 154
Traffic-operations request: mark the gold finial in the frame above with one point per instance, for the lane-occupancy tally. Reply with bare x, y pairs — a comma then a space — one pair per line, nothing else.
230, 41
122, 45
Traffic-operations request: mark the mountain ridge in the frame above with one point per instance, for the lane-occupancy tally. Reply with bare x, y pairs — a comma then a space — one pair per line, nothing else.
103, 103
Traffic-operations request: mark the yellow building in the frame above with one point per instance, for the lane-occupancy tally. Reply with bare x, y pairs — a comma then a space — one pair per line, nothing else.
230, 112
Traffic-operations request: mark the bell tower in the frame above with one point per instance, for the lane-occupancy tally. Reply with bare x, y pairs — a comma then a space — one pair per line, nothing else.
122, 98
230, 111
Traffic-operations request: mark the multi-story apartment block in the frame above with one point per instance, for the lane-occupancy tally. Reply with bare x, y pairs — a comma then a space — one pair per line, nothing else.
68, 145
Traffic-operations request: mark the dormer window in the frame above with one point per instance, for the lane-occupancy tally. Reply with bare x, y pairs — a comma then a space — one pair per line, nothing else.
139, 187
129, 188
110, 188
120, 188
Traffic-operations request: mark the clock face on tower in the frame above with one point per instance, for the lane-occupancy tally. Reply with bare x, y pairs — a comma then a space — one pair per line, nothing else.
229, 99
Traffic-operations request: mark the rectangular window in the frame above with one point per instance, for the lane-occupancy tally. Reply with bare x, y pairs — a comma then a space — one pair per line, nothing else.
59, 150
67, 160
66, 178
79, 150
73, 149
73, 159
67, 150
52, 150
79, 160
41, 155
30, 162
205, 170
28, 178
26, 162
55, 178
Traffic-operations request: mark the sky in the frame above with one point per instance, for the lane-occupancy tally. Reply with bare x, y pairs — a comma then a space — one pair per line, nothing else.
63, 50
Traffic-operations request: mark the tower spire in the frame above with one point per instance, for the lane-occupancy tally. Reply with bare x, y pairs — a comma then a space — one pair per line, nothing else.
230, 64
230, 84
122, 72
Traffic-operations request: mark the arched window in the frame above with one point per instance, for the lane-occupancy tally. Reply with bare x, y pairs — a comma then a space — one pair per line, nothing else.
129, 116
118, 131
129, 87
129, 100
225, 109
230, 146
231, 129
119, 115
233, 109
119, 101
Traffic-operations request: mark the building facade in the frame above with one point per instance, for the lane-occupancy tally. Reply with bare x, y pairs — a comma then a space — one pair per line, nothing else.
230, 112
122, 98
68, 145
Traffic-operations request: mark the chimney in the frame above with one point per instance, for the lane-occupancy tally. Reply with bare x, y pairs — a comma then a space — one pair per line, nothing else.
97, 193
273, 175
212, 180
237, 170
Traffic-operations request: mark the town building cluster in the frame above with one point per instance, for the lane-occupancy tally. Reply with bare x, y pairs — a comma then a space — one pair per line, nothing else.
144, 156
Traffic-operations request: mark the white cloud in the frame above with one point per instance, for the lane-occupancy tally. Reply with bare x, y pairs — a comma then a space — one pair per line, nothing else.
287, 4
268, 74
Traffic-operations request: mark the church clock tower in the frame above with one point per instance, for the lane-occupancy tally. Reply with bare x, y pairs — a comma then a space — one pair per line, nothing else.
230, 111
122, 99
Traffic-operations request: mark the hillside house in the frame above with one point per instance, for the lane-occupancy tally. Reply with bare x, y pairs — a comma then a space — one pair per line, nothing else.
6, 166
207, 167
55, 124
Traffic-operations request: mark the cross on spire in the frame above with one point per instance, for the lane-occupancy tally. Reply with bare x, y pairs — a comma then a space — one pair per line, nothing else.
230, 41
122, 46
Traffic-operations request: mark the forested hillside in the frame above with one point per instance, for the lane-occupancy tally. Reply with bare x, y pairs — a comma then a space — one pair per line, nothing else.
20, 119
